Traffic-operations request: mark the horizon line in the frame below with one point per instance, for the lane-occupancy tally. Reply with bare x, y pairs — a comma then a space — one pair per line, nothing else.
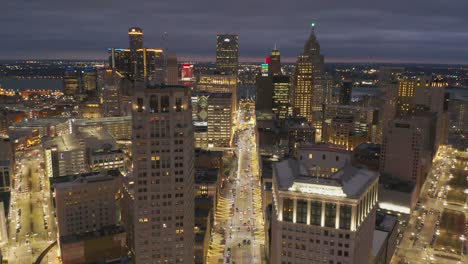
287, 60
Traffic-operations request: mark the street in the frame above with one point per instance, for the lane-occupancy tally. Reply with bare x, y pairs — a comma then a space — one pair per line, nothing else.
239, 217
420, 234
31, 225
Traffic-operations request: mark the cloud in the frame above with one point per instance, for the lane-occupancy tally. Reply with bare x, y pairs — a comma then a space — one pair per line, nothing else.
386, 30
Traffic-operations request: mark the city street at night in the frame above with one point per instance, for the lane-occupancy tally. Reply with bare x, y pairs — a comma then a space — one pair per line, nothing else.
31, 221
243, 229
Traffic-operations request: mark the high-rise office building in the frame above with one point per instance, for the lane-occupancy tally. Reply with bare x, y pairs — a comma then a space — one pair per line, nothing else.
86, 202
220, 120
71, 82
137, 62
281, 90
458, 109
111, 94
172, 70
135, 36
89, 80
88, 217
274, 63
411, 92
149, 63
309, 89
406, 149
227, 53
322, 219
345, 92
273, 88
423, 94
162, 217
219, 83
121, 60
264, 91
212, 119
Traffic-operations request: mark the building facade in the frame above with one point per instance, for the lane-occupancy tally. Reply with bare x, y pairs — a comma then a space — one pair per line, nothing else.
227, 54
163, 172
322, 220
281, 91
309, 85
406, 151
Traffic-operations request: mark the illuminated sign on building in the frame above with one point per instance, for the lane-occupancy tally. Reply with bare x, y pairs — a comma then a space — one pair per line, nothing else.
187, 72
317, 189
200, 111
264, 69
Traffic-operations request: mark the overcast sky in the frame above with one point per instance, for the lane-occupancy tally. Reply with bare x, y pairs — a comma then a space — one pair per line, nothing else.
348, 30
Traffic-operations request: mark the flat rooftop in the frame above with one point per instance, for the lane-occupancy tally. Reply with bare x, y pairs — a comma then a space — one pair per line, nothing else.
91, 137
209, 176
95, 176
292, 175
40, 122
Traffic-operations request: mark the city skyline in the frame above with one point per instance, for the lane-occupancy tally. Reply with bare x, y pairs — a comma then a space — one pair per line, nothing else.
350, 32
208, 132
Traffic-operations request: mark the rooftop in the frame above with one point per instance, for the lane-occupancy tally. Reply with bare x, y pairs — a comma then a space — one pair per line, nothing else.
206, 175
87, 137
321, 147
89, 177
212, 95
389, 183
385, 222
292, 175
39, 122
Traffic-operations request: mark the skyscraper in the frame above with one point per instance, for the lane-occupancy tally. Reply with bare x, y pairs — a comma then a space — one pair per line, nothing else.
272, 88
309, 90
264, 90
137, 62
71, 82
227, 53
149, 63
220, 83
163, 171
111, 94
135, 36
172, 70
212, 119
274, 67
345, 92
406, 149
281, 90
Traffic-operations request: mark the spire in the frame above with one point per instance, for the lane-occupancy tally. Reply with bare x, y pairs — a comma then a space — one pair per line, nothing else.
275, 45
312, 25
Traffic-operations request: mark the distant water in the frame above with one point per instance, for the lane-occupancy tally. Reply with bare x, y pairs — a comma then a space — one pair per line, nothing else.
25, 84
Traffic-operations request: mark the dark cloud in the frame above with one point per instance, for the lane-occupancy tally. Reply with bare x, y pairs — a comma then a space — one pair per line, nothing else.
398, 30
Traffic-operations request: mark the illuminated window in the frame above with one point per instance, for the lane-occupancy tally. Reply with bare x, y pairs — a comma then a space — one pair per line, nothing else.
288, 210
311, 155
